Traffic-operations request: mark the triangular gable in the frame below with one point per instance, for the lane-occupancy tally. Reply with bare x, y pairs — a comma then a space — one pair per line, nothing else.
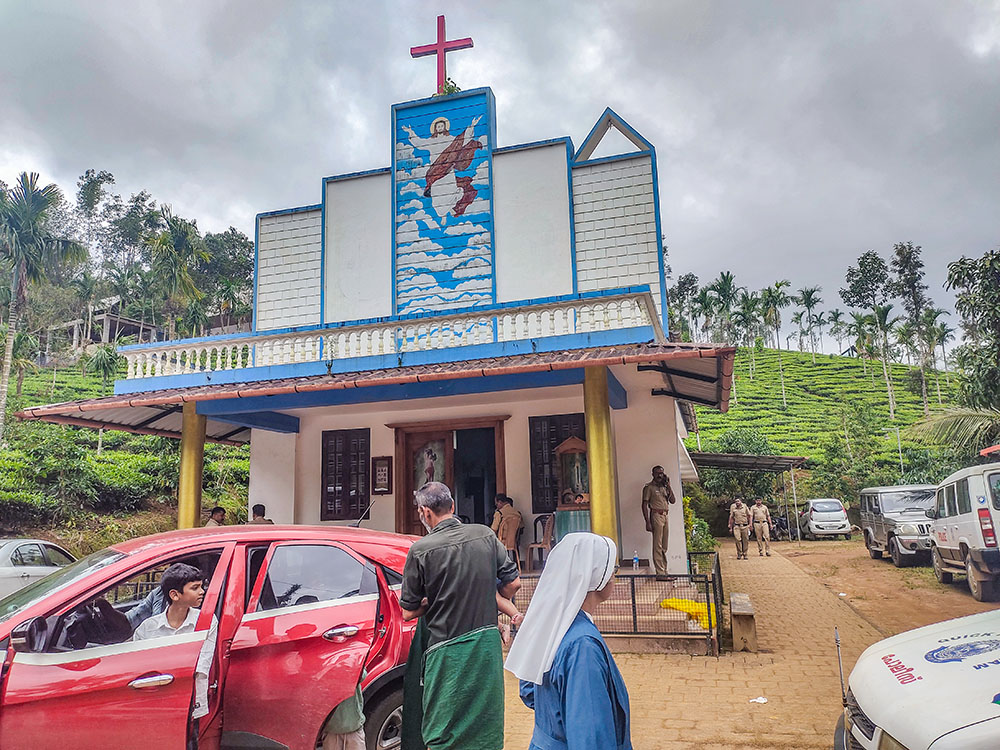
607, 120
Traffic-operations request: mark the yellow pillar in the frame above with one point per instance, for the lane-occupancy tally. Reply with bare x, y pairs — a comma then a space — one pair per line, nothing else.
192, 467
600, 454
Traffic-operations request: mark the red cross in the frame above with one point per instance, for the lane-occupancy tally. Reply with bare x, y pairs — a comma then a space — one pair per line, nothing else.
440, 48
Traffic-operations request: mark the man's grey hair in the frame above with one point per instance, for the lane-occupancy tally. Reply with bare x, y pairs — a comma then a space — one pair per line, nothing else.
436, 497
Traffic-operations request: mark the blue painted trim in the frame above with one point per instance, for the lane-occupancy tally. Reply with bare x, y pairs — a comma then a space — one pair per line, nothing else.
286, 211
256, 272
616, 157
534, 144
260, 420
617, 395
392, 211
609, 117
409, 391
572, 215
355, 175
664, 315
444, 98
637, 335
400, 318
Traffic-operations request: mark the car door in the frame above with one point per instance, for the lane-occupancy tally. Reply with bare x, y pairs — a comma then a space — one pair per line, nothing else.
940, 527
954, 522
300, 647
102, 696
30, 560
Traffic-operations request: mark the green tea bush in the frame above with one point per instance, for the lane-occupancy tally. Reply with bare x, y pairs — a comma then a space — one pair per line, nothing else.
23, 508
122, 481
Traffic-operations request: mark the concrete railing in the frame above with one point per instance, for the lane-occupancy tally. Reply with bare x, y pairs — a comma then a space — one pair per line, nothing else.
496, 324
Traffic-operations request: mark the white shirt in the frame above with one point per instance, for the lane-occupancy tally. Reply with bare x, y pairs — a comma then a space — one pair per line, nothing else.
157, 626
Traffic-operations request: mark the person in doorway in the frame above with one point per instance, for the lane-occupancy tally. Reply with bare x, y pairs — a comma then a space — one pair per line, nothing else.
258, 513
345, 729
567, 674
217, 517
739, 527
760, 516
450, 582
182, 586
657, 496
504, 509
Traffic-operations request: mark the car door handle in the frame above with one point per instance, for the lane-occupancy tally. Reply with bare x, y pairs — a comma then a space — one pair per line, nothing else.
153, 680
341, 633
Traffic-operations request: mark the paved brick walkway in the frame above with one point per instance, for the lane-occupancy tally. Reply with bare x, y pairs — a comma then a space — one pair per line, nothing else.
684, 702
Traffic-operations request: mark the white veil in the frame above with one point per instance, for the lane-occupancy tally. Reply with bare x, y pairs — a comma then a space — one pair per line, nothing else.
580, 563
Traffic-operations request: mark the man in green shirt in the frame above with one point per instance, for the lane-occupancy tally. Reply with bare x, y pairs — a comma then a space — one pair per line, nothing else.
450, 581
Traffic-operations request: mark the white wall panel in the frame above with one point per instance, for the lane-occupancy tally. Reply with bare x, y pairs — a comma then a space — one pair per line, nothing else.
288, 270
531, 206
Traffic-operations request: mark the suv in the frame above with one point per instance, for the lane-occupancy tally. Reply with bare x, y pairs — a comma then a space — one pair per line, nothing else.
824, 517
963, 532
894, 520
299, 611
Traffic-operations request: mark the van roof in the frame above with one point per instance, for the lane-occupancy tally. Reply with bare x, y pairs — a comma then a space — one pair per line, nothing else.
969, 471
898, 487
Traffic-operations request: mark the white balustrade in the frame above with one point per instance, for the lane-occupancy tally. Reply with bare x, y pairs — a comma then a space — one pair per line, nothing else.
423, 334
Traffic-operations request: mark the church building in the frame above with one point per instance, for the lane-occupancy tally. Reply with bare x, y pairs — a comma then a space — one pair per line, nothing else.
488, 315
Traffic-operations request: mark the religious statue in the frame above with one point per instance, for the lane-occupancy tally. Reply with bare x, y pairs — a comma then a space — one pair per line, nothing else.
449, 193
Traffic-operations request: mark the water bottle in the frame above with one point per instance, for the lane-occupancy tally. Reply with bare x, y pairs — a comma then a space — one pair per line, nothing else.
635, 561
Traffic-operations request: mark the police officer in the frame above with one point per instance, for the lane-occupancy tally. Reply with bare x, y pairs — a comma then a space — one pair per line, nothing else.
739, 526
762, 525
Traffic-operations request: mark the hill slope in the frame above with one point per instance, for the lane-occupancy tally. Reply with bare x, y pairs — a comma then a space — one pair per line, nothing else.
816, 397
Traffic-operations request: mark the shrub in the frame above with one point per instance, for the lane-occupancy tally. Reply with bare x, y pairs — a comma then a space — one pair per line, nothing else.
21, 509
699, 535
121, 481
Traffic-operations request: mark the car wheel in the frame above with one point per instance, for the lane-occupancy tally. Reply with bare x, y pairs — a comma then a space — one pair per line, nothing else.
874, 554
896, 554
983, 590
942, 575
384, 723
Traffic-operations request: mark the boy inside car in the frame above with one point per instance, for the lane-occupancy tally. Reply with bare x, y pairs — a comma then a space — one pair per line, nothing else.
182, 586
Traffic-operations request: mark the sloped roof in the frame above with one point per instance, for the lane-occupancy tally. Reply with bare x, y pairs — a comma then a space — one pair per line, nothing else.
701, 372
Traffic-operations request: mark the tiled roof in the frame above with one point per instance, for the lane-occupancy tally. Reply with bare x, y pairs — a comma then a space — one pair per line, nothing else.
708, 366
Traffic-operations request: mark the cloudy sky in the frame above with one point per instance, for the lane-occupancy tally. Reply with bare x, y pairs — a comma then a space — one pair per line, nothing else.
791, 136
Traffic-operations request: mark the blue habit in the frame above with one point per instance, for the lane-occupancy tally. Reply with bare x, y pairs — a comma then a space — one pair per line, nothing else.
583, 703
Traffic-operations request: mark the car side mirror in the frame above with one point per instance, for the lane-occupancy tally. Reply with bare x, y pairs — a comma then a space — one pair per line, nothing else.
931, 513
29, 636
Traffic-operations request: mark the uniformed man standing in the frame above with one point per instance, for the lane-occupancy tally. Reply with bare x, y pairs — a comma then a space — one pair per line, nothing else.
656, 499
762, 525
739, 526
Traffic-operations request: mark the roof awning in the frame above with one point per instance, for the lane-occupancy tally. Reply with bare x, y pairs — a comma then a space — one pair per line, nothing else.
700, 372
747, 462
990, 451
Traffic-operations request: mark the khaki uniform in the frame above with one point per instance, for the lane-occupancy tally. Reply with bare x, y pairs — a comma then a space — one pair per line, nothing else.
506, 511
658, 498
211, 523
739, 518
761, 518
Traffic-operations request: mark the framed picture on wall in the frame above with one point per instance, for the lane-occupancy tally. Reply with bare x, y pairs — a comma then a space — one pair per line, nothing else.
381, 475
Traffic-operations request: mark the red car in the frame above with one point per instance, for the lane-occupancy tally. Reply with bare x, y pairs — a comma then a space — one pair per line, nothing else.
300, 612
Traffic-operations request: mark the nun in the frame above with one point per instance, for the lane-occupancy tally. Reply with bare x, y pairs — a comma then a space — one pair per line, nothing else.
567, 674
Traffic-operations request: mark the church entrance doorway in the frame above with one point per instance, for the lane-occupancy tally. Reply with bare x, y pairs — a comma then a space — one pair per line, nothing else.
466, 454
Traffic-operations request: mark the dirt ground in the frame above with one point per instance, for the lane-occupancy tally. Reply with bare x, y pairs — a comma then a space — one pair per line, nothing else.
891, 599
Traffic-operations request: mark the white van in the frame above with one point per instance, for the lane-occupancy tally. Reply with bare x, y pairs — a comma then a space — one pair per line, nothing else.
963, 532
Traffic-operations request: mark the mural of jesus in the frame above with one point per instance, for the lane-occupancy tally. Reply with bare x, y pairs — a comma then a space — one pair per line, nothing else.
449, 193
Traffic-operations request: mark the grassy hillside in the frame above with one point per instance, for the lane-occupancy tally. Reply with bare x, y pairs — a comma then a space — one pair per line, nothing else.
816, 396
53, 482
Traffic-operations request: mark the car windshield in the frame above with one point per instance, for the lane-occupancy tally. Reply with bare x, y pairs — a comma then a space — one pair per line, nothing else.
63, 577
907, 500
827, 506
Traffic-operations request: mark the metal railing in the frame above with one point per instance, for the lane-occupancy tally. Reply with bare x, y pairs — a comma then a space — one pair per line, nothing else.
577, 314
640, 605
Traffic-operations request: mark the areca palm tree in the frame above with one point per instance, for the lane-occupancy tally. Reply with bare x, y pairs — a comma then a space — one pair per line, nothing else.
835, 320
703, 308
25, 355
818, 322
773, 300
746, 320
174, 251
883, 323
859, 329
85, 285
724, 290
808, 299
27, 248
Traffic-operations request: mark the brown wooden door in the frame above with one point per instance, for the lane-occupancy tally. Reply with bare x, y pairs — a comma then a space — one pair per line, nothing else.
429, 456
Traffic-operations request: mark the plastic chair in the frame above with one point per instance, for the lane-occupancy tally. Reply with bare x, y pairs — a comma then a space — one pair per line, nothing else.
543, 546
508, 537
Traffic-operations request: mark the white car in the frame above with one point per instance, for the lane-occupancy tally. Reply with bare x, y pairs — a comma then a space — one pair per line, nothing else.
933, 688
824, 517
24, 561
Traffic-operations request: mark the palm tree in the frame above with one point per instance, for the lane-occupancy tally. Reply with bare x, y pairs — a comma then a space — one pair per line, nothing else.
818, 322
746, 319
835, 319
25, 355
106, 362
943, 334
883, 323
228, 299
904, 333
28, 248
859, 329
724, 291
704, 308
966, 429
85, 285
174, 252
808, 299
773, 300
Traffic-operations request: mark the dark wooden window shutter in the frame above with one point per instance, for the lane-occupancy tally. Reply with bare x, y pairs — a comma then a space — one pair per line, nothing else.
346, 469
